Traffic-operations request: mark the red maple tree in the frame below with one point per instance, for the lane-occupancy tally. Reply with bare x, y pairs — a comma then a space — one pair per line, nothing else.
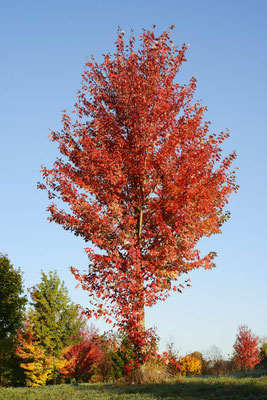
142, 179
81, 358
246, 348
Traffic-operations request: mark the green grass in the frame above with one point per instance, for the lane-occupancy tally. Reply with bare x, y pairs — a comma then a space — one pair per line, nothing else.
209, 388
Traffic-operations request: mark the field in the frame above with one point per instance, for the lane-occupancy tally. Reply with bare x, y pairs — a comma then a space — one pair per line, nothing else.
210, 388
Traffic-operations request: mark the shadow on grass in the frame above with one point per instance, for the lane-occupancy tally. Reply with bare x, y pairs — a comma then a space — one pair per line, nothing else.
223, 388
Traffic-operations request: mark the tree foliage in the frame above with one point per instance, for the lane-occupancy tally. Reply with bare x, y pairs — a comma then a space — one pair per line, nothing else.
37, 364
263, 352
246, 348
54, 318
111, 364
81, 359
190, 365
141, 177
12, 305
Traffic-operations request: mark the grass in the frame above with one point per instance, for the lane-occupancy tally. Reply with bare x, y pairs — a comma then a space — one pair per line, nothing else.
202, 388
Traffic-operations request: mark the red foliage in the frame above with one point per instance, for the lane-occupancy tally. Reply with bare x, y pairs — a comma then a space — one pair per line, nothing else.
82, 358
142, 179
246, 348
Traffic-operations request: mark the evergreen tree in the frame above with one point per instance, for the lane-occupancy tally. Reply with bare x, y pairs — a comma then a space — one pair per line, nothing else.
54, 317
12, 304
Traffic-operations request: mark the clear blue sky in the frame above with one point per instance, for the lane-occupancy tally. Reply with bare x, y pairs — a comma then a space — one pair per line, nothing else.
44, 45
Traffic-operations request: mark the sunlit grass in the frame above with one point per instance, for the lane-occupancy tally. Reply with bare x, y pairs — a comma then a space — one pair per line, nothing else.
213, 388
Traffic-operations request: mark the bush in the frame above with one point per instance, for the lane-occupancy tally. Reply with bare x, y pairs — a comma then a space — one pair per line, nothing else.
190, 365
111, 366
172, 360
153, 371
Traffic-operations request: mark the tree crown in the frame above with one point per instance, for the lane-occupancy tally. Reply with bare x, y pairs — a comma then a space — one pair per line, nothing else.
54, 317
141, 178
12, 298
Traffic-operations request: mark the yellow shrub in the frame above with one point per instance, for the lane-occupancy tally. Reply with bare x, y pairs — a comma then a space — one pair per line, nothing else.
190, 365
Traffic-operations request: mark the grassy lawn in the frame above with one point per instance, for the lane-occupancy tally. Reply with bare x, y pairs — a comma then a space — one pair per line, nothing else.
215, 388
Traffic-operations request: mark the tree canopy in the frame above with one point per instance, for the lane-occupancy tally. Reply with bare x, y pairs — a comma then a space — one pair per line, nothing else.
54, 318
12, 306
141, 177
246, 348
12, 299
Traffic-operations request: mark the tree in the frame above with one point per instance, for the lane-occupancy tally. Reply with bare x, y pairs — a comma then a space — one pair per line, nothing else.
38, 365
111, 365
12, 305
263, 352
141, 178
213, 355
81, 358
246, 350
172, 357
54, 318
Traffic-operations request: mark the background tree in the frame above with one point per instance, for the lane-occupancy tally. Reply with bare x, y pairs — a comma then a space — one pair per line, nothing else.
142, 179
111, 365
81, 359
12, 305
263, 352
246, 348
172, 355
37, 365
55, 319
213, 354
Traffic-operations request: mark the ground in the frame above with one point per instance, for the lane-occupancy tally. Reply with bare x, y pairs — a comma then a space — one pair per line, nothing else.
210, 388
